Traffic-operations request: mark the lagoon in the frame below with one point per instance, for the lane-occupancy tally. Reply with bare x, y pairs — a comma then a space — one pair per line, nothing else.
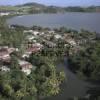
87, 21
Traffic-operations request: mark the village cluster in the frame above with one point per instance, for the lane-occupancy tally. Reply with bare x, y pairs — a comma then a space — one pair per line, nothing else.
35, 41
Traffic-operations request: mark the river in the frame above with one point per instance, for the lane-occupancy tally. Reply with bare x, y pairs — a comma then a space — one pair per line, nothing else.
73, 86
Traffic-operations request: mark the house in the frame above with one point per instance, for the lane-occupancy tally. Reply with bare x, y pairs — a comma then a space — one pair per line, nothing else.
50, 44
33, 48
28, 31
37, 45
47, 37
42, 33
25, 55
3, 47
5, 69
4, 13
30, 37
32, 32
71, 42
51, 32
5, 52
25, 66
57, 36
35, 33
4, 55
11, 50
34, 41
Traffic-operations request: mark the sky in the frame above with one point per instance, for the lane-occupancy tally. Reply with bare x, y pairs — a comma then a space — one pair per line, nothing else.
53, 2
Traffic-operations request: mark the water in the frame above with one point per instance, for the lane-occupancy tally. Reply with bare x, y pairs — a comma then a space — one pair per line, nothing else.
73, 86
88, 21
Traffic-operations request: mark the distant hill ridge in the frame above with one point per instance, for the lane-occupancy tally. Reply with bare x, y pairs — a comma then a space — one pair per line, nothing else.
41, 8
32, 4
68, 9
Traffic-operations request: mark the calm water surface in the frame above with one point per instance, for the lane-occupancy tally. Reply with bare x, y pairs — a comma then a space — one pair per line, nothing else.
73, 86
88, 21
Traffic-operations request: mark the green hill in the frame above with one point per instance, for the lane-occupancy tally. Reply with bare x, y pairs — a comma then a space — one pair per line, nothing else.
40, 8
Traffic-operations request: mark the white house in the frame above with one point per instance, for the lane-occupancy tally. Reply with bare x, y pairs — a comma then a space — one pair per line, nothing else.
30, 37
5, 69
28, 31
26, 55
42, 33
4, 13
25, 67
71, 42
35, 32
57, 36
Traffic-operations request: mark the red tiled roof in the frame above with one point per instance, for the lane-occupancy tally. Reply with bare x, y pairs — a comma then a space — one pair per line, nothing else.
34, 49
3, 53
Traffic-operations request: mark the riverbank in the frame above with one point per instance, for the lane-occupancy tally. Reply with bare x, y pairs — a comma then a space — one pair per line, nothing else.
73, 86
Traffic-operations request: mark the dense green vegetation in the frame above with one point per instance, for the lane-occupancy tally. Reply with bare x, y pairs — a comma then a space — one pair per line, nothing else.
44, 81
87, 61
54, 9
83, 9
12, 38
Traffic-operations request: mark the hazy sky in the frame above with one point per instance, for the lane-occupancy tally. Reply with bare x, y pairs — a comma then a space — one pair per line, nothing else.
53, 2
